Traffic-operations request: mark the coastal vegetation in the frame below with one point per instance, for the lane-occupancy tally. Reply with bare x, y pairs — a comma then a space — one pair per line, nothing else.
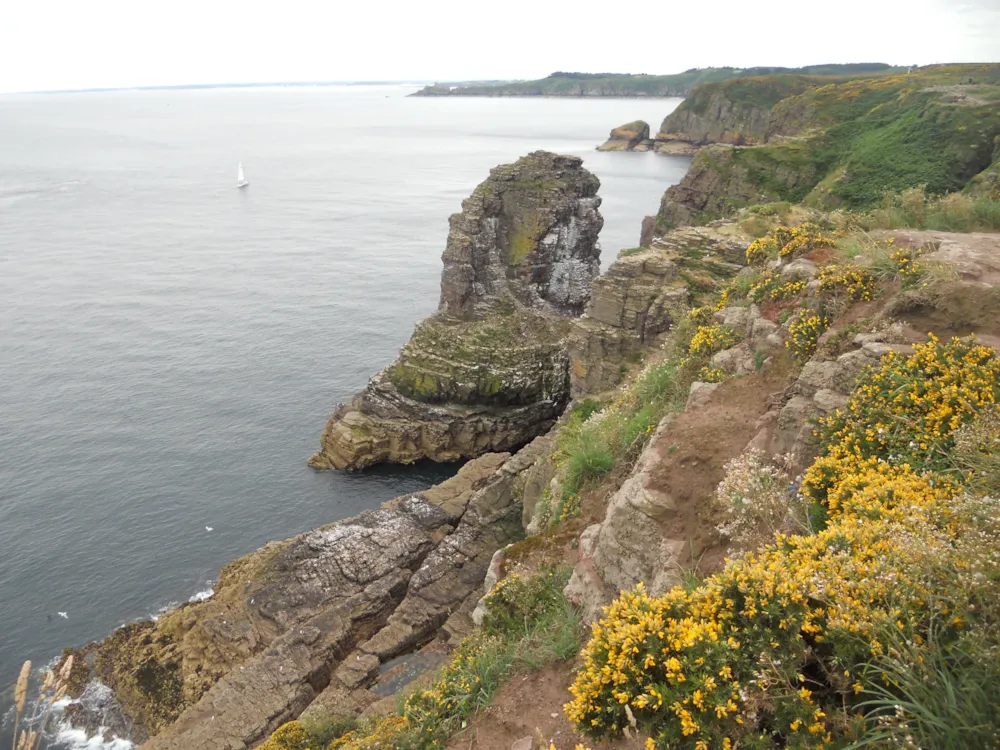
33, 718
836, 145
628, 84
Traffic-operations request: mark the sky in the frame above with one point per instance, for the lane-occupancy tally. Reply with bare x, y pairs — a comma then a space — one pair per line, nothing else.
75, 44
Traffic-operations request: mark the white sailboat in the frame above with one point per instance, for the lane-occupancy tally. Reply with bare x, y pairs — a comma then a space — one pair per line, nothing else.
241, 181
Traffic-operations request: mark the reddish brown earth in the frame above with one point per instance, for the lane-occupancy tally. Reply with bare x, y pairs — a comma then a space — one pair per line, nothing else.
531, 706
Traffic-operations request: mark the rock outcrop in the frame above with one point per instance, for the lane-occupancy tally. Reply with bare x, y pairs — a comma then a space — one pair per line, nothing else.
642, 295
731, 112
488, 371
723, 177
314, 617
632, 136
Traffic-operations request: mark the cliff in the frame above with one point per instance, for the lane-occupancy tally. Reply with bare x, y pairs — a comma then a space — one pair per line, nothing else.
707, 365
736, 112
488, 371
626, 84
838, 145
701, 368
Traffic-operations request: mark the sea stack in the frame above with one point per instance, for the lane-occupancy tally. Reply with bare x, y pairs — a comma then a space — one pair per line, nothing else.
632, 136
488, 371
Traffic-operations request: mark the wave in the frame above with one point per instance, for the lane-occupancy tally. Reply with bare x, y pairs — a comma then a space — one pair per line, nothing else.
101, 713
71, 738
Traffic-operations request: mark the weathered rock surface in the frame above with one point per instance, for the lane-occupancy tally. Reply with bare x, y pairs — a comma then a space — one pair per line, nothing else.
713, 117
313, 618
531, 230
628, 137
488, 371
642, 294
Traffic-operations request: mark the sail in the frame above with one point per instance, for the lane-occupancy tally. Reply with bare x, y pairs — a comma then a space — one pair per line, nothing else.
239, 174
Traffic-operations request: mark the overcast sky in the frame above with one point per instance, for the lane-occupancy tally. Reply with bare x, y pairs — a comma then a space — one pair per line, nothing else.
55, 44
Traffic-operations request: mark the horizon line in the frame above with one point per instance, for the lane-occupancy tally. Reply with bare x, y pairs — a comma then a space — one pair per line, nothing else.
251, 84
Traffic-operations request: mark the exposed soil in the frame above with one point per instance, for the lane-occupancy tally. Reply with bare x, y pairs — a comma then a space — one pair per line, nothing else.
531, 706
697, 445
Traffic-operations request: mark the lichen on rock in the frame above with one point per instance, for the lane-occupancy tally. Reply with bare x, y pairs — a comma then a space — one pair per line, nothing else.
488, 371
530, 230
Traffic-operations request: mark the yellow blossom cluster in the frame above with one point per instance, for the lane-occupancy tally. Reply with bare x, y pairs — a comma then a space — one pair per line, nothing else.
383, 735
709, 339
804, 332
708, 374
701, 315
787, 242
769, 652
771, 286
851, 282
907, 265
796, 241
761, 249
290, 736
905, 410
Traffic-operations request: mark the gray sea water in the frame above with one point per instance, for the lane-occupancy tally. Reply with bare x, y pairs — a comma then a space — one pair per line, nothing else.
171, 347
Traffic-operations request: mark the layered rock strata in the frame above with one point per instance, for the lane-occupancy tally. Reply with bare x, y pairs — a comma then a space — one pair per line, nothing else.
313, 618
488, 371
632, 136
642, 295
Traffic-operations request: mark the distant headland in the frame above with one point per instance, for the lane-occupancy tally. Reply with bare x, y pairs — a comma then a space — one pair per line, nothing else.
627, 84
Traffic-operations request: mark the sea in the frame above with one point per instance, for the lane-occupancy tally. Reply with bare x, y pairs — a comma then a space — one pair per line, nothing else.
172, 346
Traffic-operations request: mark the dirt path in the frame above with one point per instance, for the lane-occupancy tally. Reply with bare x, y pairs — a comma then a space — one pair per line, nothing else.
531, 706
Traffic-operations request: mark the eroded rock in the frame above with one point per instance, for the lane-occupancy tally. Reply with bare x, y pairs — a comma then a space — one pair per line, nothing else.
628, 137
488, 371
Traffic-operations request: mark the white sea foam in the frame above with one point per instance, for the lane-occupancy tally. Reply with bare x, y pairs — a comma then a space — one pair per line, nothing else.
76, 739
203, 595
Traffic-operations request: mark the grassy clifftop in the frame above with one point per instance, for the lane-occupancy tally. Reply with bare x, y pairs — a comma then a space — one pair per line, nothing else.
627, 84
849, 141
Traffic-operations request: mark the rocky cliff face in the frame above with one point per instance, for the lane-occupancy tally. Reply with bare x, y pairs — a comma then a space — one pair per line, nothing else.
713, 117
724, 178
528, 231
312, 618
831, 146
641, 297
487, 372
632, 136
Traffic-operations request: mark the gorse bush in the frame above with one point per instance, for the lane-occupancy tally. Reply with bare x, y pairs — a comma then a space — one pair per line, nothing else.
787, 242
710, 339
777, 649
772, 286
847, 281
804, 333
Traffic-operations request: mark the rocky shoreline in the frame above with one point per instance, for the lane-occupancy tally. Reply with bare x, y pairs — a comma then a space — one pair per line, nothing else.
311, 621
